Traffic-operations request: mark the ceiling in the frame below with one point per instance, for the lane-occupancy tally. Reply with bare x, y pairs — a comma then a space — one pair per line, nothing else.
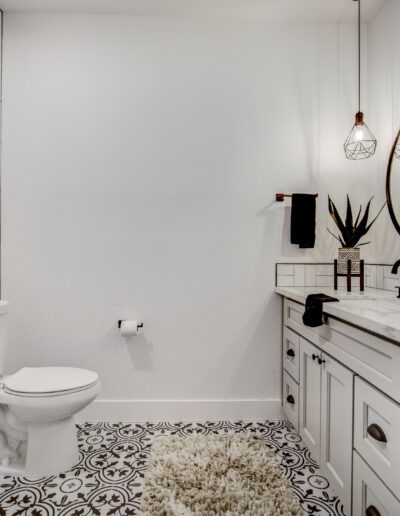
268, 10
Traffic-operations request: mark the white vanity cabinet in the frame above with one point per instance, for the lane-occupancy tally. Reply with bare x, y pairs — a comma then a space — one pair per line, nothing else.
343, 382
326, 415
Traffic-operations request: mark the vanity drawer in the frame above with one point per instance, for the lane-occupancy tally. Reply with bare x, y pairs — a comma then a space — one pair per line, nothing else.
370, 495
376, 420
290, 402
291, 353
372, 357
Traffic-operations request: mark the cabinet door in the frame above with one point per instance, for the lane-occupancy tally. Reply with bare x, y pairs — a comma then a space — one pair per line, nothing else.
290, 351
337, 427
310, 397
290, 401
370, 495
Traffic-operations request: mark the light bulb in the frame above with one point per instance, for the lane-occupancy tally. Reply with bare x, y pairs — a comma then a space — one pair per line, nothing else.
360, 143
359, 136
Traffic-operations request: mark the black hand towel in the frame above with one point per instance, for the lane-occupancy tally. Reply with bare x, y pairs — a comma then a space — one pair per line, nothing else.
313, 313
302, 225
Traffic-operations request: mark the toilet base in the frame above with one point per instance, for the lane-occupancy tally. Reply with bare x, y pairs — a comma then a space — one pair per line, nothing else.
15, 469
52, 447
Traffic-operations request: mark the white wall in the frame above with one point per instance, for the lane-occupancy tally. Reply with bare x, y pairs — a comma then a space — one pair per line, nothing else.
140, 161
384, 70
384, 81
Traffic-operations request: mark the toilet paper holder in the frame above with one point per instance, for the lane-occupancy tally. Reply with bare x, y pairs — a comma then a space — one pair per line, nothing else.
139, 325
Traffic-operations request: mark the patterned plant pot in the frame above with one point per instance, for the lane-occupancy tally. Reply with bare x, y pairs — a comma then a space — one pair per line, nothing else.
349, 253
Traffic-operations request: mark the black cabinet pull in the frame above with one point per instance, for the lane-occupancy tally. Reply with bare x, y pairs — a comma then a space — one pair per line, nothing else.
372, 511
321, 361
376, 432
290, 399
313, 356
290, 352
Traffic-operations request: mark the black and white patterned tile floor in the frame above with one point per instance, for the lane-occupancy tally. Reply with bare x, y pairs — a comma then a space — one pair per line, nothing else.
108, 481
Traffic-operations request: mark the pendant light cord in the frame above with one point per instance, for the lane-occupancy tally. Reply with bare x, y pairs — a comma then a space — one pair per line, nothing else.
359, 55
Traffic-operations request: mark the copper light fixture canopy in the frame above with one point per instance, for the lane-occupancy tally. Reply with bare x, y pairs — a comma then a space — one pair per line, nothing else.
360, 143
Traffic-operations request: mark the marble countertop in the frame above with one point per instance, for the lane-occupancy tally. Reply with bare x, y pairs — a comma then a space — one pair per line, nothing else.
375, 310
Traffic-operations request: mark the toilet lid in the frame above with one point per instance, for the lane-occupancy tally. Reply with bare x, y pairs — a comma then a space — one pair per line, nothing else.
49, 380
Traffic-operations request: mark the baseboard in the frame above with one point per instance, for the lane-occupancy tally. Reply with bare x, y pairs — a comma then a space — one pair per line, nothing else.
181, 410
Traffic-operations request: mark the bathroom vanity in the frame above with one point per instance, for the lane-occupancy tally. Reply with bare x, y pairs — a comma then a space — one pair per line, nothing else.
341, 390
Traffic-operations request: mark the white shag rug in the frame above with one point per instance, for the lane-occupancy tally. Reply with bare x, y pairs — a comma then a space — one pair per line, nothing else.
214, 475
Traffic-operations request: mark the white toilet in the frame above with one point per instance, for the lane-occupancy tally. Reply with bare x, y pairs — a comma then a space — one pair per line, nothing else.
37, 406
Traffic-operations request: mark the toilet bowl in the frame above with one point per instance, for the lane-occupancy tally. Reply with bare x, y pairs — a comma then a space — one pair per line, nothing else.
37, 430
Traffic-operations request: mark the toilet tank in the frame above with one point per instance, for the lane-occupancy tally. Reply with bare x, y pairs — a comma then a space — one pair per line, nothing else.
3, 321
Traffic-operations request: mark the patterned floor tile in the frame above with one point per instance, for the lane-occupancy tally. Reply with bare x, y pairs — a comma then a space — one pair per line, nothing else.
108, 480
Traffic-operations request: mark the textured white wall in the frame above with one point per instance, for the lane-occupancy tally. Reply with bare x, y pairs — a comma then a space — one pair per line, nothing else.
140, 161
384, 101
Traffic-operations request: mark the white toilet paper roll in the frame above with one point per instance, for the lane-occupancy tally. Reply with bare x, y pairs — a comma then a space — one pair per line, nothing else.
129, 328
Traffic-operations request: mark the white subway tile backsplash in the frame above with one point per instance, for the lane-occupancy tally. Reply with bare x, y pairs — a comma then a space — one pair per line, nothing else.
355, 282
325, 281
387, 272
321, 275
371, 278
310, 275
379, 277
390, 283
324, 269
285, 281
285, 269
299, 275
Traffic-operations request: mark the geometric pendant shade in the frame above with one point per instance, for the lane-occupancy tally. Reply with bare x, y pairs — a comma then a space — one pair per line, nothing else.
360, 143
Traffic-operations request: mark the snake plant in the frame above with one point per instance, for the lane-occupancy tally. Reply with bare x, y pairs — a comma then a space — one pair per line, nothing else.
351, 232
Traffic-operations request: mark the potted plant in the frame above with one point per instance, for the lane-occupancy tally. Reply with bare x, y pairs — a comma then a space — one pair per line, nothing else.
351, 232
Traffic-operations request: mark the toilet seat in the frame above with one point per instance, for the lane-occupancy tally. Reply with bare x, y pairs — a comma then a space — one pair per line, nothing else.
49, 381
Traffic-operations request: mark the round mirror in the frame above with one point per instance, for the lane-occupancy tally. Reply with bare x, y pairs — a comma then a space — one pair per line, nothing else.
393, 183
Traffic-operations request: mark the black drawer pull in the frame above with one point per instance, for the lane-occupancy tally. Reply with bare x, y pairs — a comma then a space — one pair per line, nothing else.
290, 399
321, 361
376, 432
313, 356
372, 511
290, 352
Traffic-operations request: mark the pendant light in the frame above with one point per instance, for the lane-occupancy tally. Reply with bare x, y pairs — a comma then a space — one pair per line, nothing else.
360, 143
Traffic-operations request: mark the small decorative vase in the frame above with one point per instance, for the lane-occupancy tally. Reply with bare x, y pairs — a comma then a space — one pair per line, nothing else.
349, 253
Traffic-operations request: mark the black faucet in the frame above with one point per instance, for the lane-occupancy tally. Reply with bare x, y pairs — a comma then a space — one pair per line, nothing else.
395, 268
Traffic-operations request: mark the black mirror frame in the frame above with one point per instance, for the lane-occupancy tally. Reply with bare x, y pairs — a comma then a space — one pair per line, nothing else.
396, 223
